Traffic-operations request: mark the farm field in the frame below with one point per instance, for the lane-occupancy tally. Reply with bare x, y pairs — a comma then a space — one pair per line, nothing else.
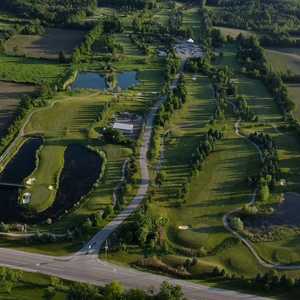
46, 46
26, 70
10, 96
283, 60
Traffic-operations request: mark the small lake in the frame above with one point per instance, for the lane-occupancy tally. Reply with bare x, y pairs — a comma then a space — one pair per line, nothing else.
20, 167
92, 80
81, 170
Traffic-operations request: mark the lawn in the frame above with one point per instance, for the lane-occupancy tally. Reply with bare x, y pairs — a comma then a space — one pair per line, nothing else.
46, 46
25, 70
283, 60
10, 96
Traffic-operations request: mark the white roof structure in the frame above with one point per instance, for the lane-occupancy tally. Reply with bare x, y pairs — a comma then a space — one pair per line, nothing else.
190, 40
123, 126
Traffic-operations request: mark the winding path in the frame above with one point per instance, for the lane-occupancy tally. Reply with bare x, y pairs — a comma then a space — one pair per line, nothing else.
245, 241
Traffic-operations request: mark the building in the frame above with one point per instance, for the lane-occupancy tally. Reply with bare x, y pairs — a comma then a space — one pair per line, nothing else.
126, 128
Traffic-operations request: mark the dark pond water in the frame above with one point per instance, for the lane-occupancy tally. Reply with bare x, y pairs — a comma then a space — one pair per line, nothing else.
20, 167
127, 80
81, 170
286, 213
92, 80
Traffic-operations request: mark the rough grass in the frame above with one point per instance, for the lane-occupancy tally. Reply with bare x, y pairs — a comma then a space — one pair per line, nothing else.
46, 46
25, 70
10, 96
294, 93
283, 60
233, 32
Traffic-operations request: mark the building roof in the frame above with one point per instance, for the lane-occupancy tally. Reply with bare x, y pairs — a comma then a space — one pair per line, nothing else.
190, 40
123, 126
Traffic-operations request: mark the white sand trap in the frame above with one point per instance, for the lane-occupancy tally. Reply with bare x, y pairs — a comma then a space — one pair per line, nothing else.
183, 227
51, 188
30, 181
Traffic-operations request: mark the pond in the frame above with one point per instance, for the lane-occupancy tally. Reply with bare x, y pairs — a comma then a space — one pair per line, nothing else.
89, 80
286, 213
81, 170
21, 166
92, 80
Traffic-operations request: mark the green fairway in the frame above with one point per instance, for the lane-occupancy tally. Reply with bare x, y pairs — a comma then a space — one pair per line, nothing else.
46, 177
25, 70
233, 32
69, 117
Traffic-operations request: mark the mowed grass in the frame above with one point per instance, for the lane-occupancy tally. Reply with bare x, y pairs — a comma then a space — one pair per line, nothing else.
25, 70
46, 46
70, 117
283, 60
219, 188
50, 164
185, 130
191, 20
10, 96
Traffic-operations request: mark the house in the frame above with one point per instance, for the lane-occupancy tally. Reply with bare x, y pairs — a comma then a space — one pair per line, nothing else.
190, 40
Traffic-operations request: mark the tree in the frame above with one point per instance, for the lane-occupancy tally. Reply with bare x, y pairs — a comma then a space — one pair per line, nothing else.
81, 291
237, 224
264, 192
170, 292
113, 291
49, 293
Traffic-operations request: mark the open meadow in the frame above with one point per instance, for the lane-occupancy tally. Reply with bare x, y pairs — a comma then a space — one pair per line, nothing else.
26, 70
46, 46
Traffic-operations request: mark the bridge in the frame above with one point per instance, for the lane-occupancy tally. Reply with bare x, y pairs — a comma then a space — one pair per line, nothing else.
14, 185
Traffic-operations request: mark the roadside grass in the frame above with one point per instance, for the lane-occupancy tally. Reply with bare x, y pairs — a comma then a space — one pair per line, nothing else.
26, 70
31, 286
283, 59
46, 46
10, 97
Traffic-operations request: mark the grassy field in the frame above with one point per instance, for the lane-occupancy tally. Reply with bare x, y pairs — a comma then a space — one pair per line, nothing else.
233, 32
25, 70
31, 286
10, 96
283, 60
46, 46
294, 93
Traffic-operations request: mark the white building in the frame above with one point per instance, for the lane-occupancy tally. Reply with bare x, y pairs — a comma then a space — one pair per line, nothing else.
128, 128
26, 198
